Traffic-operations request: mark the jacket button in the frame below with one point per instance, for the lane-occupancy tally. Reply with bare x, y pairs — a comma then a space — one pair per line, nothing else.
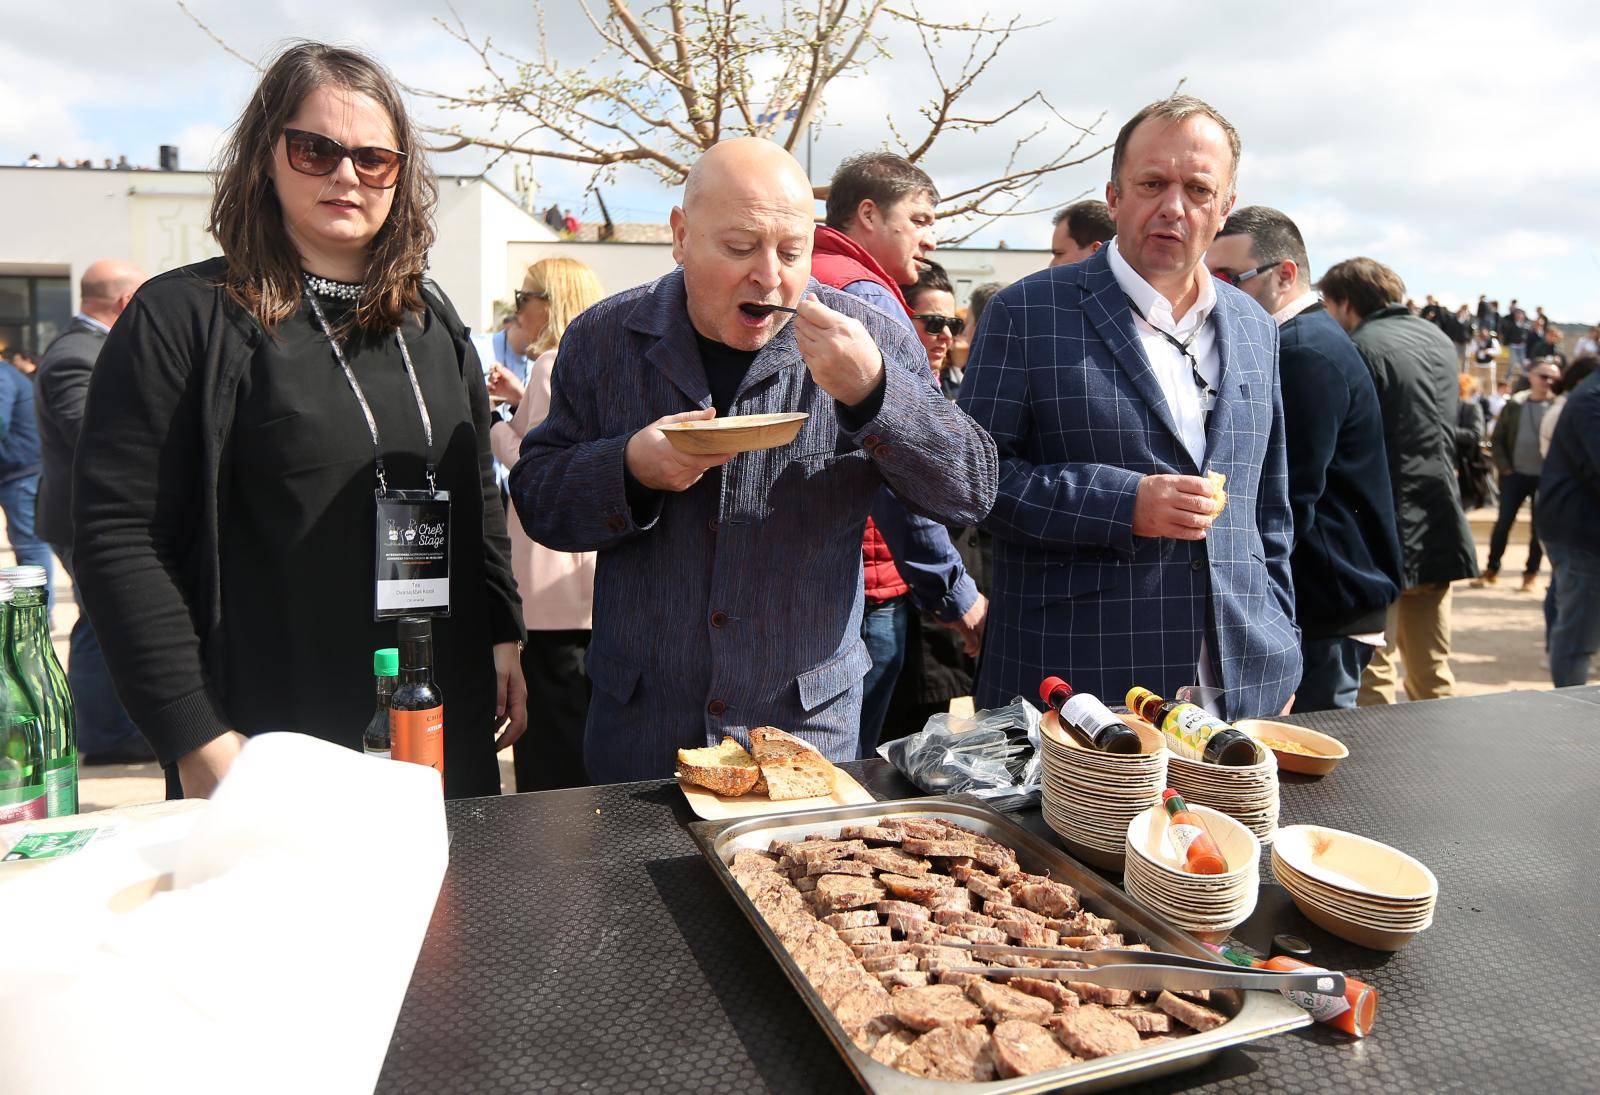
713, 524
716, 707
880, 451
1197, 564
870, 441
616, 524
719, 619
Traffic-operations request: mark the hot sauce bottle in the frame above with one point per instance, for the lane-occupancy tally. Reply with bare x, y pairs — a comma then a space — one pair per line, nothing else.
1199, 851
416, 709
1087, 719
1193, 731
1354, 1012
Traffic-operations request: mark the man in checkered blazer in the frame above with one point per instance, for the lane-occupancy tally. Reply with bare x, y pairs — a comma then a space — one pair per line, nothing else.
1112, 387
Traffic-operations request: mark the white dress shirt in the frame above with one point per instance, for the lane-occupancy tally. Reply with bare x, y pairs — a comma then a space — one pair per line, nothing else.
1172, 369
1176, 377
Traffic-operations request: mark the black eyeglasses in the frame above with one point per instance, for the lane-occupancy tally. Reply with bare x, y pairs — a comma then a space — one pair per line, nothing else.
313, 154
935, 324
1237, 280
522, 296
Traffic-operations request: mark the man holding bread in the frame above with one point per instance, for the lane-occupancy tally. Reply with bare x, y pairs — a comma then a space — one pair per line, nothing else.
728, 589
1119, 390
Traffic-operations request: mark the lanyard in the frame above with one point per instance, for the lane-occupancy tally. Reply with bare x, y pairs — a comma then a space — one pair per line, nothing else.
361, 397
1208, 394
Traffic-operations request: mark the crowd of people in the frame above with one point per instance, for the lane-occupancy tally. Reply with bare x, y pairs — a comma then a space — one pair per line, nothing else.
1172, 457
107, 164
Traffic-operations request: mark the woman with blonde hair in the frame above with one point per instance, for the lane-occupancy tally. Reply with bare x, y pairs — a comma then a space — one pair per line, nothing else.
557, 587
265, 427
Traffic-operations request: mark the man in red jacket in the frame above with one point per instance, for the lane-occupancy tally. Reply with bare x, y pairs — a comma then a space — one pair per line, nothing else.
879, 228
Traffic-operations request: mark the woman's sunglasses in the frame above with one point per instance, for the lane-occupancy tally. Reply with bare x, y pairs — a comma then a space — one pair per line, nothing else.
314, 154
935, 324
522, 296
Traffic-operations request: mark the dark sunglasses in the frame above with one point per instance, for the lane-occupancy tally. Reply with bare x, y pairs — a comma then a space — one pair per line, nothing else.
314, 154
1237, 280
522, 296
935, 325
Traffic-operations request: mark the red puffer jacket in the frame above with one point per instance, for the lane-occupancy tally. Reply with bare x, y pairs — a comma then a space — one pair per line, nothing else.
837, 260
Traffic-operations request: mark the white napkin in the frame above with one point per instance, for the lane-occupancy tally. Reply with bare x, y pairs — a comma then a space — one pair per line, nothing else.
276, 961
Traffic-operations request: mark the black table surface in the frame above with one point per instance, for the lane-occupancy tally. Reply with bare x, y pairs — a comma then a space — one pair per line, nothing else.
581, 943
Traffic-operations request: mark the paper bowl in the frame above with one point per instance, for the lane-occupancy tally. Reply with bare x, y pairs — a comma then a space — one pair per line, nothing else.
1154, 743
1328, 751
1147, 839
737, 433
1363, 935
1355, 864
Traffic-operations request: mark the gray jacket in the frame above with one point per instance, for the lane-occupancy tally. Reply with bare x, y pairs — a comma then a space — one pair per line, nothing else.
736, 603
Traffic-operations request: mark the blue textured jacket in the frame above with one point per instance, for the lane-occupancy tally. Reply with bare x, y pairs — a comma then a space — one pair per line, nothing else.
737, 603
19, 428
1058, 377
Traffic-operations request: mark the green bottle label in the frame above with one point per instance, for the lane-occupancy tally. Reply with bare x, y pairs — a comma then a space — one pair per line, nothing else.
61, 787
50, 845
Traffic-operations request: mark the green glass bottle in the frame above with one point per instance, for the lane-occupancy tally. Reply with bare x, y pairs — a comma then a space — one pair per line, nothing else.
33, 660
22, 791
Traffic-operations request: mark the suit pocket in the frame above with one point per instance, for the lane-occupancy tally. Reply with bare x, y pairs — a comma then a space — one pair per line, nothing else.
838, 674
1068, 581
615, 678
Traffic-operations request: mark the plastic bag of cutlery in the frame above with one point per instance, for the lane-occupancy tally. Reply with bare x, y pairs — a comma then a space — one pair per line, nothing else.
992, 754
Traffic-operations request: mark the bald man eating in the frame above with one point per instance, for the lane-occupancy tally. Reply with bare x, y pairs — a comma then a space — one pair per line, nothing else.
728, 589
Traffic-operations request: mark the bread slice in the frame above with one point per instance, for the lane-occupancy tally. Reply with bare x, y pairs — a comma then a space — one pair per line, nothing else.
726, 768
792, 768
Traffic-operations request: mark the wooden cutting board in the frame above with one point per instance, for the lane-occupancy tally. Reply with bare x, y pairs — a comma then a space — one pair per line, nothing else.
715, 807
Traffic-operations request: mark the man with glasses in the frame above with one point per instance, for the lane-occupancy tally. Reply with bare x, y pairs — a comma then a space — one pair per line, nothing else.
1346, 559
1112, 387
1515, 450
878, 234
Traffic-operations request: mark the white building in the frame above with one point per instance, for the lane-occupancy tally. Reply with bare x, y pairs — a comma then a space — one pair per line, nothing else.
54, 222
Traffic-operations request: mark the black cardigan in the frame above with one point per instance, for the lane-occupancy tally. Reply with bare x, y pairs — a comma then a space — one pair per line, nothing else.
147, 494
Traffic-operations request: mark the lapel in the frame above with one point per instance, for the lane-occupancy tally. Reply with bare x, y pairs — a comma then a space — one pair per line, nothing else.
1108, 310
662, 312
1220, 422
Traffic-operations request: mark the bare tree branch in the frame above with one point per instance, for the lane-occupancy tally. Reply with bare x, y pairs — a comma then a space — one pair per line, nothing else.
671, 78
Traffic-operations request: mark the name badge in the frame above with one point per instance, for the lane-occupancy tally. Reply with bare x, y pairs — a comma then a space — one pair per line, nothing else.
412, 554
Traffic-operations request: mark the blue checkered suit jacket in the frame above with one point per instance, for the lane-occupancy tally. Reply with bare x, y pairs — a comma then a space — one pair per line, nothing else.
737, 602
1058, 378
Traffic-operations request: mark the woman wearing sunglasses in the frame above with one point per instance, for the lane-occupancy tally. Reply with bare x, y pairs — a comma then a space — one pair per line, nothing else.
933, 309
259, 420
557, 587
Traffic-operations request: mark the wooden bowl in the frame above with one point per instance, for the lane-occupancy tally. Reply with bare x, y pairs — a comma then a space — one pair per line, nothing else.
1327, 751
737, 433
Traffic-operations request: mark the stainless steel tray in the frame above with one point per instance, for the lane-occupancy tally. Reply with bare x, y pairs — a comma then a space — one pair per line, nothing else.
1252, 1015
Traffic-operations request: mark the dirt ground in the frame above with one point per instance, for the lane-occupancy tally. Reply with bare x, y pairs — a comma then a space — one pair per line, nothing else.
1498, 646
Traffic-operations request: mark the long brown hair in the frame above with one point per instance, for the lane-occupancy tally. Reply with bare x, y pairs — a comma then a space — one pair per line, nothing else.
247, 221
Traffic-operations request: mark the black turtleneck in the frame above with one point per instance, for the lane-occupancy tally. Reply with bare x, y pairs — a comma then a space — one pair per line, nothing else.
725, 368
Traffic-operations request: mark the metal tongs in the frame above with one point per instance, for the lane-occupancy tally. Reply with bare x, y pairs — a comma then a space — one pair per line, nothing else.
1149, 971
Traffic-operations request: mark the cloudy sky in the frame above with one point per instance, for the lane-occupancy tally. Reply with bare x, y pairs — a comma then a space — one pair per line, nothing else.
1454, 142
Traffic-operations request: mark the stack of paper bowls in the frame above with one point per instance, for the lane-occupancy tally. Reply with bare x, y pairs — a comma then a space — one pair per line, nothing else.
1358, 889
1247, 793
1089, 797
1209, 906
